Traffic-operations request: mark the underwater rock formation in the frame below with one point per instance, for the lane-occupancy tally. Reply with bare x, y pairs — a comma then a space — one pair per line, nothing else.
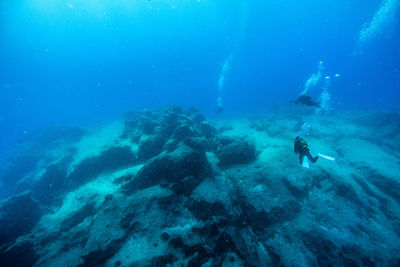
166, 188
18, 215
237, 152
170, 168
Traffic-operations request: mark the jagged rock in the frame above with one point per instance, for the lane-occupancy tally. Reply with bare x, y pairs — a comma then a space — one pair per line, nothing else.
195, 115
288, 211
75, 238
197, 261
165, 236
384, 184
204, 210
325, 250
225, 140
150, 146
100, 256
171, 167
224, 244
146, 124
51, 186
77, 217
127, 220
18, 167
129, 128
168, 120
122, 179
27, 155
298, 192
224, 128
189, 250
186, 185
161, 261
259, 220
171, 145
176, 242
199, 249
168, 203
238, 152
110, 159
368, 190
158, 122
328, 254
168, 126
182, 132
205, 129
199, 143
209, 229
347, 191
108, 198
18, 215
20, 254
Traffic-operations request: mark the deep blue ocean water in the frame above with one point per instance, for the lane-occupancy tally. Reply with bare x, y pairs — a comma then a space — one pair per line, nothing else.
85, 62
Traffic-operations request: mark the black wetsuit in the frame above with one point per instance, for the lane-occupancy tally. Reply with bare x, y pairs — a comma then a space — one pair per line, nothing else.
301, 148
307, 100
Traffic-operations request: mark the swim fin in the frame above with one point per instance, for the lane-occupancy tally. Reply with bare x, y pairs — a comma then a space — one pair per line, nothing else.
305, 163
326, 157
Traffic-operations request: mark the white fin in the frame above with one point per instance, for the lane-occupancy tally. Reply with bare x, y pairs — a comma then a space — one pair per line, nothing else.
305, 163
326, 157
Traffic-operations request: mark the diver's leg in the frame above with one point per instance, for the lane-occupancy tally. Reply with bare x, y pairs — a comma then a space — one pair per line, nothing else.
311, 158
301, 157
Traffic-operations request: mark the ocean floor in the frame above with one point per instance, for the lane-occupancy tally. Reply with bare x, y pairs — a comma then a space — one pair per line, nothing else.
169, 187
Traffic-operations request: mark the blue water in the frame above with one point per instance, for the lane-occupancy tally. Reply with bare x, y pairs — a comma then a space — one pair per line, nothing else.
85, 62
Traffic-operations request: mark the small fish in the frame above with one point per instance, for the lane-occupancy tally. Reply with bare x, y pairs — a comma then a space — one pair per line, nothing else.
337, 75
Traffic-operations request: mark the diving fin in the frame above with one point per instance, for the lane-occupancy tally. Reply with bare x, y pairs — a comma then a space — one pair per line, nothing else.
305, 163
326, 157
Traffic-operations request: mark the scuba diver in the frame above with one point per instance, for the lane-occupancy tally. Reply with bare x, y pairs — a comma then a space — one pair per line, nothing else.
301, 148
305, 99
218, 109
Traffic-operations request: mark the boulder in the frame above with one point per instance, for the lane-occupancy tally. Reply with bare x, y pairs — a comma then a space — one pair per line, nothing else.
205, 129
110, 159
237, 152
203, 210
194, 115
19, 254
171, 145
386, 185
170, 167
150, 146
146, 124
198, 143
186, 185
100, 256
78, 217
18, 215
129, 128
18, 167
169, 115
182, 132
51, 185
